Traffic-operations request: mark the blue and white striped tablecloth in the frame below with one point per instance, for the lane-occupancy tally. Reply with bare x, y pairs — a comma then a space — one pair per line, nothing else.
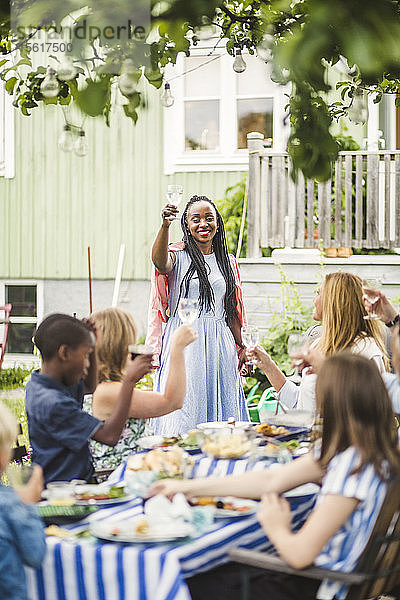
91, 570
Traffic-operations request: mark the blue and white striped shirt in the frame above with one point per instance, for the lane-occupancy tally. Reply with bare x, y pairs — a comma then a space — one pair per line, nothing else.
344, 548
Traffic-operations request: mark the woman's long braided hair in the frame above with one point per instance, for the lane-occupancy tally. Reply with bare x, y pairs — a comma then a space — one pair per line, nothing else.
199, 265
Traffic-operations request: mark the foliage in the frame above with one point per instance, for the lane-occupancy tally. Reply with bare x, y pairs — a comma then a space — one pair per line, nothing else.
301, 38
15, 377
294, 317
231, 209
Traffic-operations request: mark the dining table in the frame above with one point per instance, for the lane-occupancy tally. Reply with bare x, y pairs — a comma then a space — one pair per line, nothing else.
87, 568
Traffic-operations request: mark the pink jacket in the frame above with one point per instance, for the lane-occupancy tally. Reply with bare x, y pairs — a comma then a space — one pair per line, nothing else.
158, 305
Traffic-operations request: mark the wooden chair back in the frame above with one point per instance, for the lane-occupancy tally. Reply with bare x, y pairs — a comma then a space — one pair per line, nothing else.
381, 557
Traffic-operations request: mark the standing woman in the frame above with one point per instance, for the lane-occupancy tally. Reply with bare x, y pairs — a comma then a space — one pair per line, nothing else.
199, 268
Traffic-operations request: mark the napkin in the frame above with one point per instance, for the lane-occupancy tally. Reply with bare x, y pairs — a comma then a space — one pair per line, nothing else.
161, 512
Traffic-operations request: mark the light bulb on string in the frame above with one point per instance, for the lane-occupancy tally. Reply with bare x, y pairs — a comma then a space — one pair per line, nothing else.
81, 147
167, 98
238, 64
49, 86
66, 139
358, 110
127, 81
66, 70
279, 75
264, 48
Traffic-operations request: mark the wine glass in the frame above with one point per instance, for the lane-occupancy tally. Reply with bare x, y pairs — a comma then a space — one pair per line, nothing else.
136, 349
370, 289
250, 337
188, 309
174, 196
296, 344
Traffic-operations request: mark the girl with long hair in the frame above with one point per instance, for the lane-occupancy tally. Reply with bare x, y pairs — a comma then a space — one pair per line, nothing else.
353, 462
339, 305
199, 268
115, 330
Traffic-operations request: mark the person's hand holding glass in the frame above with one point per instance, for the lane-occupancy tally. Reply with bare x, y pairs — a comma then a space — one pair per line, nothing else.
375, 301
297, 345
250, 337
174, 198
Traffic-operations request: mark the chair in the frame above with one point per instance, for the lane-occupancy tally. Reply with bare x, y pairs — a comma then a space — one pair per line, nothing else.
3, 344
19, 452
377, 571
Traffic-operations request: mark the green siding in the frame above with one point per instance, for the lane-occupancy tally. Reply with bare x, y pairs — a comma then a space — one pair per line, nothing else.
59, 204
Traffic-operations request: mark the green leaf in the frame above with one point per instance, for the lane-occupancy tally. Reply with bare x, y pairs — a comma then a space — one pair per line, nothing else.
10, 83
93, 98
131, 113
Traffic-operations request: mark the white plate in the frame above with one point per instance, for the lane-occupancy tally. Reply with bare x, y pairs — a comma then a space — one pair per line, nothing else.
223, 425
164, 533
224, 513
148, 442
308, 489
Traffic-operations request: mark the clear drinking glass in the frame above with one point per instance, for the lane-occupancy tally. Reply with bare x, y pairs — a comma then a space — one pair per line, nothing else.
135, 349
18, 475
251, 337
174, 196
370, 289
296, 344
188, 310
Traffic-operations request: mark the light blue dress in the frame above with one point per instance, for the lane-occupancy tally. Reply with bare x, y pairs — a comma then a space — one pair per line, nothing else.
213, 386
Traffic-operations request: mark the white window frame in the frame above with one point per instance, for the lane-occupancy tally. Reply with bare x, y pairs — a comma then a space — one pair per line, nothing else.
7, 150
227, 157
10, 359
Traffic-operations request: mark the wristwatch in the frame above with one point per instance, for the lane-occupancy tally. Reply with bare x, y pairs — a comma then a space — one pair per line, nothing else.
393, 321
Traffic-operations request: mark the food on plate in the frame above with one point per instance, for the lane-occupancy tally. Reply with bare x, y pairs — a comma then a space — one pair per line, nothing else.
142, 526
221, 503
226, 445
167, 462
271, 430
57, 531
110, 494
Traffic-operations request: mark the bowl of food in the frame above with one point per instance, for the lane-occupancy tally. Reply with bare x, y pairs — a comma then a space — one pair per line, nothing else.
292, 418
225, 443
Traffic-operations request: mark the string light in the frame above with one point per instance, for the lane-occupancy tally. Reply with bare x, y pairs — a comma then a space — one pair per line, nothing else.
67, 70
66, 139
81, 147
238, 64
167, 98
49, 86
358, 110
127, 81
264, 48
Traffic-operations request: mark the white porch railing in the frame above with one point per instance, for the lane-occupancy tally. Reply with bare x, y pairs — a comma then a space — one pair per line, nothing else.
359, 207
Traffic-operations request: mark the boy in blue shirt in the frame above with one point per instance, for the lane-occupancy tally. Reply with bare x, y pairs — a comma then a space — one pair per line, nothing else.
59, 430
22, 540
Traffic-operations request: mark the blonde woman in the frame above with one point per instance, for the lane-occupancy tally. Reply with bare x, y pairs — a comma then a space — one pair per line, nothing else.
340, 307
115, 330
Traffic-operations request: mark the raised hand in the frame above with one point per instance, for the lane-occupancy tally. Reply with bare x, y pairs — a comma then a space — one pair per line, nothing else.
183, 336
169, 213
137, 368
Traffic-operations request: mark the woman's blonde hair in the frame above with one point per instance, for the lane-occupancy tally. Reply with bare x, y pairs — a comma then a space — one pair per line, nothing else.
357, 411
343, 314
8, 429
115, 330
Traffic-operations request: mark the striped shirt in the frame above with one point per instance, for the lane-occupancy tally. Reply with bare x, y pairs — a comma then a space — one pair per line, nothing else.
344, 548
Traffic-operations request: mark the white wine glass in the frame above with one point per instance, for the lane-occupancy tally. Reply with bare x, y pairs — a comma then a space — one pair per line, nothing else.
371, 288
174, 196
297, 343
251, 337
188, 310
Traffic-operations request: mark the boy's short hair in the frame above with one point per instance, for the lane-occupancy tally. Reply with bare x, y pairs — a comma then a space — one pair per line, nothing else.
58, 329
8, 428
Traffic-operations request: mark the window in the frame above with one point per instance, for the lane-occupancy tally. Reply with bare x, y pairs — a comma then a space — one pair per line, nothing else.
215, 108
27, 309
6, 133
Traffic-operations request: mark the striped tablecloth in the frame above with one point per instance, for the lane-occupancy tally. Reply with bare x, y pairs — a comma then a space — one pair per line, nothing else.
91, 570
